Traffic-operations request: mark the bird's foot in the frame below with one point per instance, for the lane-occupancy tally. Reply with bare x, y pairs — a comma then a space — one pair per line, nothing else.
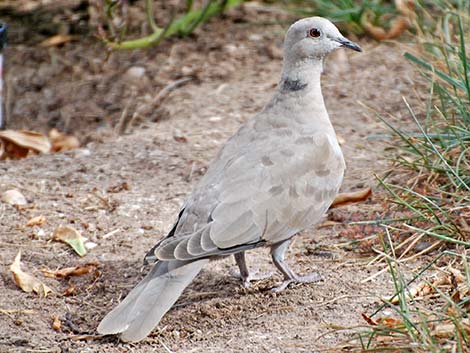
256, 276
312, 277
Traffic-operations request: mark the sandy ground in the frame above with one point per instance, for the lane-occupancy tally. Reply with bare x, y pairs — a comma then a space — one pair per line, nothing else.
160, 158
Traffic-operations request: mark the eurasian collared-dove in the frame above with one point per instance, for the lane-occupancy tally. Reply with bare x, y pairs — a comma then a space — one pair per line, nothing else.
277, 175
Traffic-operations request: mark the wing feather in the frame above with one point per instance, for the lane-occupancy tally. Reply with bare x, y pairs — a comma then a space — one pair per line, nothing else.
206, 242
181, 250
194, 246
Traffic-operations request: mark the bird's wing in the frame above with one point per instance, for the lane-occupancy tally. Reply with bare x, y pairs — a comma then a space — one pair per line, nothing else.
263, 195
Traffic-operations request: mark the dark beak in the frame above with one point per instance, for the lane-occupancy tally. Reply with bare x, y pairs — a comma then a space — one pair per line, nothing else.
347, 43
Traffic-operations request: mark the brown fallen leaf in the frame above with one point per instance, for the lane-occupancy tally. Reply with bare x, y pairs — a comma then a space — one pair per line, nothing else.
351, 197
419, 290
72, 237
25, 281
56, 40
63, 142
80, 270
457, 274
448, 276
71, 290
400, 24
390, 322
376, 32
368, 319
56, 323
17, 144
14, 197
36, 221
9, 150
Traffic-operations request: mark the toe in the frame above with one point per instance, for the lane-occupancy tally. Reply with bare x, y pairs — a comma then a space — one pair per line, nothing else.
282, 286
312, 277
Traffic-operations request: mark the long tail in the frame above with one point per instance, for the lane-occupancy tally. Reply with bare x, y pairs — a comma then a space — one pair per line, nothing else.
137, 315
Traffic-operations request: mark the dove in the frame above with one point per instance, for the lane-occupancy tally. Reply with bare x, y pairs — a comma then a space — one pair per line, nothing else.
277, 175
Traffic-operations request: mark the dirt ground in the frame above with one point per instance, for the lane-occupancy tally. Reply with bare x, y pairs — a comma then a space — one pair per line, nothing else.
123, 191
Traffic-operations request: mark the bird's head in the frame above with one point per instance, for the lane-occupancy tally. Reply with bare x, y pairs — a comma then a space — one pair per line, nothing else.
314, 38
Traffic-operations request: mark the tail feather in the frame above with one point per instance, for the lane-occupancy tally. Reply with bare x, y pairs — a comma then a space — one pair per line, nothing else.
137, 315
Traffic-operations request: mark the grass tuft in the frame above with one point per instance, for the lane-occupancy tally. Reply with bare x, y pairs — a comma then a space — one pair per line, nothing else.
429, 312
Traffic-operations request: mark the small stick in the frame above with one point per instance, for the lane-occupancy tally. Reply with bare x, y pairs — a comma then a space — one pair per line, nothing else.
164, 346
124, 120
160, 97
107, 235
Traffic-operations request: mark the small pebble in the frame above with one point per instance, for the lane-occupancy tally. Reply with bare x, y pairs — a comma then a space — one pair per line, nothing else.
14, 197
90, 245
135, 72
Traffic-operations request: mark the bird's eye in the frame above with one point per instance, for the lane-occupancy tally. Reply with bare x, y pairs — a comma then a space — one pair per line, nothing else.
314, 33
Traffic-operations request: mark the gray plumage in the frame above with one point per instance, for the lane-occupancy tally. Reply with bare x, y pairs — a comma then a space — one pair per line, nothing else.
277, 175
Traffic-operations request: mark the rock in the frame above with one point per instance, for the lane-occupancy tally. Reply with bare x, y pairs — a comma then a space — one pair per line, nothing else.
135, 72
14, 197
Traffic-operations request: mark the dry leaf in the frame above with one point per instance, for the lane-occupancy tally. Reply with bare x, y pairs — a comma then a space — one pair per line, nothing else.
458, 276
56, 40
389, 322
71, 290
406, 8
378, 33
36, 221
398, 26
9, 150
423, 288
80, 270
14, 197
420, 290
368, 319
71, 237
446, 330
459, 283
56, 324
18, 143
25, 281
351, 197
62, 142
